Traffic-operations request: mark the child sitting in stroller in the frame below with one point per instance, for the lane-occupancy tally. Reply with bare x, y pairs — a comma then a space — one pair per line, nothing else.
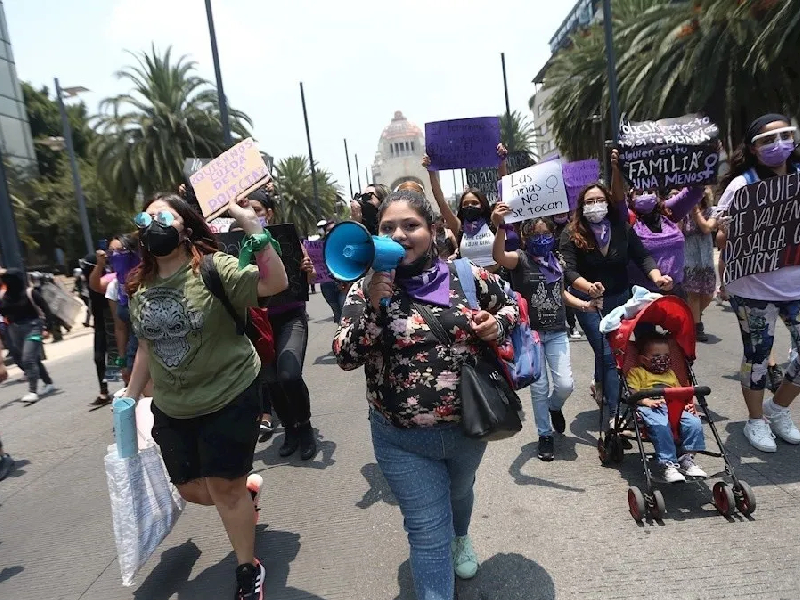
654, 371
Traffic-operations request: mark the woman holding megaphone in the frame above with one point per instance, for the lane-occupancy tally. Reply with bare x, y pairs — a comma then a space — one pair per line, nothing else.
413, 382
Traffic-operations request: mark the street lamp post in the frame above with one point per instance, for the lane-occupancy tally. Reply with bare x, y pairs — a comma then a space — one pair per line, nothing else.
310, 154
76, 178
223, 103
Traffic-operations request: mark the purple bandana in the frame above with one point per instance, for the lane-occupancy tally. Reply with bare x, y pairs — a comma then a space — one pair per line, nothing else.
512, 239
549, 267
473, 227
431, 286
602, 232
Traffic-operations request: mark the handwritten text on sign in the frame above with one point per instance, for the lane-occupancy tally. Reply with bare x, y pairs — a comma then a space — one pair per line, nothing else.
669, 153
537, 191
764, 235
235, 172
315, 253
463, 143
486, 179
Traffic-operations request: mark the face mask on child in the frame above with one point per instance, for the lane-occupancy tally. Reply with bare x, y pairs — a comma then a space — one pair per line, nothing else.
659, 364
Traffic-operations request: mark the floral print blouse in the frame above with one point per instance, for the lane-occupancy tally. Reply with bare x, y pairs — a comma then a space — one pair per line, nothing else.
412, 379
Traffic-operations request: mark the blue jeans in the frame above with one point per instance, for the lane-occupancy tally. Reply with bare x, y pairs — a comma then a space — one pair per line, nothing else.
690, 431
557, 369
431, 472
334, 297
605, 371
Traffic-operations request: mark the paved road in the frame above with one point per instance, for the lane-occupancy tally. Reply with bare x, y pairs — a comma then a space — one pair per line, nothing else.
333, 531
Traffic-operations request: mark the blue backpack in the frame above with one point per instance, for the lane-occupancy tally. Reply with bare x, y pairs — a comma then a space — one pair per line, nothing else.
521, 354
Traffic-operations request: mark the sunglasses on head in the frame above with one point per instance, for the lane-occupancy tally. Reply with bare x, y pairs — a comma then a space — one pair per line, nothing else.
162, 217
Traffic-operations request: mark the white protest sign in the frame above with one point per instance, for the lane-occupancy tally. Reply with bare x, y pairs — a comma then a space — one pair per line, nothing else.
537, 191
235, 172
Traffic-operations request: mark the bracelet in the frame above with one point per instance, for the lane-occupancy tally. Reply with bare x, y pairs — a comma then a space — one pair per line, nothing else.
256, 243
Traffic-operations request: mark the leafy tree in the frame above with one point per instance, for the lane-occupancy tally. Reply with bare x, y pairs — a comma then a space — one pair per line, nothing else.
516, 132
296, 191
169, 115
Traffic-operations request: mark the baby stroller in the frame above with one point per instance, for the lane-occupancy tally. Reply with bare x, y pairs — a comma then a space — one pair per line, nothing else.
673, 315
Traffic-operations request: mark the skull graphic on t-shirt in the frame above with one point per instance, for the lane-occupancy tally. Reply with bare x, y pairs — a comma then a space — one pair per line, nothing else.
166, 323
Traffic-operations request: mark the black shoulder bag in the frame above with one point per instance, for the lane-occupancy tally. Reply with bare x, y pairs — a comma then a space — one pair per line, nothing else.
490, 409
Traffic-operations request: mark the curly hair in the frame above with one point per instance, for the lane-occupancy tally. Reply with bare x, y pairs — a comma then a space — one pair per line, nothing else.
199, 243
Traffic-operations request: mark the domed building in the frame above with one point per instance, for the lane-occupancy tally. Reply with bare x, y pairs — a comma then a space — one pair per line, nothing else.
399, 155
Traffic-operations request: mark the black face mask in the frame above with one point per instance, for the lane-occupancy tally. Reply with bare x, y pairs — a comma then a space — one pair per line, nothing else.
369, 215
415, 268
471, 213
160, 240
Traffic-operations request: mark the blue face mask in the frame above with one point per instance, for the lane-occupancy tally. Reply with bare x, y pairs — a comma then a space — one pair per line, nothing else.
540, 244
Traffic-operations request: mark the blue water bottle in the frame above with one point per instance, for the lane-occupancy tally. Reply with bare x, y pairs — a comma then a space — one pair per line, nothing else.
125, 426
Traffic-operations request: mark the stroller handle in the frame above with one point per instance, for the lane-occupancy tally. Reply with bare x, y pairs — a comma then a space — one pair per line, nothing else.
683, 393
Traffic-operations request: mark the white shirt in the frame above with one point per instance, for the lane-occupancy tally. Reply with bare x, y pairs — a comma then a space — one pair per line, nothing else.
782, 285
478, 248
112, 291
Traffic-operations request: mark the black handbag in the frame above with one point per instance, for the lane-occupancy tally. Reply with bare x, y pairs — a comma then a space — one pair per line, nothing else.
490, 409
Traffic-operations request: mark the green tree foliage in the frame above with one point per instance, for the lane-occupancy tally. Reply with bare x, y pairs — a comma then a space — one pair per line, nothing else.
170, 114
296, 190
516, 132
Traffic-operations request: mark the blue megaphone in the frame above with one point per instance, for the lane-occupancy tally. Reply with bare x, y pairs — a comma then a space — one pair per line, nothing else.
350, 251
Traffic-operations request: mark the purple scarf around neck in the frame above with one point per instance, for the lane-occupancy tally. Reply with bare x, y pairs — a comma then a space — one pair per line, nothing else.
602, 233
473, 227
431, 286
549, 267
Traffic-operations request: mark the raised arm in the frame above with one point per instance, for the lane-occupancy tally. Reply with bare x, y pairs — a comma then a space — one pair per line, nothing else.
706, 226
509, 260
95, 277
452, 221
681, 204
502, 170
618, 186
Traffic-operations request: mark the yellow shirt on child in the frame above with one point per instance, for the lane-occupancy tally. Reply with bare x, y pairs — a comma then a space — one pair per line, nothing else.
640, 378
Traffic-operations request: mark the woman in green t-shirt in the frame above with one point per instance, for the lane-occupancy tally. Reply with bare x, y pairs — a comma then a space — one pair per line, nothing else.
207, 397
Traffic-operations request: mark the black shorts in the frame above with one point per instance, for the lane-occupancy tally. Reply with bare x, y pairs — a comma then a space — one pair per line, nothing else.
220, 444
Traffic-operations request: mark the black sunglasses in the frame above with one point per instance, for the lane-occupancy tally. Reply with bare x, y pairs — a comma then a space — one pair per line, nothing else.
365, 197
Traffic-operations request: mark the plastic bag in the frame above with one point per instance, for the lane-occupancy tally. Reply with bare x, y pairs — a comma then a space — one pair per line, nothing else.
144, 506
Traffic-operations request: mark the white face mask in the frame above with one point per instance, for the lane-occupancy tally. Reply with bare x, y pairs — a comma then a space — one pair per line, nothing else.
596, 212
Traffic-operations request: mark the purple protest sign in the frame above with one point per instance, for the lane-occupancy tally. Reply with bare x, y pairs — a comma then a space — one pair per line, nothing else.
315, 253
463, 143
577, 175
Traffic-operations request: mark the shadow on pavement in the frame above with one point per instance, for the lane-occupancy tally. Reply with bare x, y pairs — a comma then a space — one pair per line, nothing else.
528, 453
19, 468
8, 572
379, 490
170, 575
326, 359
324, 458
502, 577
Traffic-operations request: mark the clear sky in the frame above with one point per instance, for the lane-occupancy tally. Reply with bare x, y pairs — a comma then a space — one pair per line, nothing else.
359, 60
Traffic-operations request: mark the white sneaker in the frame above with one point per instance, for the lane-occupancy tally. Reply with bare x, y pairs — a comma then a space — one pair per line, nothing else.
668, 473
690, 469
780, 420
30, 397
759, 435
48, 389
575, 334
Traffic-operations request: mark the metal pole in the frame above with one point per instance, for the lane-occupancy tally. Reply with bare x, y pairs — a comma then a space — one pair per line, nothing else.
455, 185
349, 177
358, 175
310, 154
603, 164
505, 83
366, 175
76, 178
612, 70
10, 249
223, 103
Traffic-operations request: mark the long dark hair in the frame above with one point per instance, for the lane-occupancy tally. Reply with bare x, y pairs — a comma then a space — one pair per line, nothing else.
199, 243
129, 241
486, 211
579, 229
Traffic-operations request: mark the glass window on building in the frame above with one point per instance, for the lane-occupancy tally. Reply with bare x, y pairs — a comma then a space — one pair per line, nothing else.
6, 82
13, 136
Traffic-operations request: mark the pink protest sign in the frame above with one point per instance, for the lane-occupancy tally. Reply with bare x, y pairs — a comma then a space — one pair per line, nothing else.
235, 172
463, 143
315, 253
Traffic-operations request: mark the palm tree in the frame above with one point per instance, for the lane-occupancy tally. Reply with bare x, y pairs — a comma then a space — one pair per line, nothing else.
169, 115
516, 132
296, 190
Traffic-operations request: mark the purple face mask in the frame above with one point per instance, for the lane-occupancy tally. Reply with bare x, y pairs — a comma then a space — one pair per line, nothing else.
123, 263
775, 154
645, 203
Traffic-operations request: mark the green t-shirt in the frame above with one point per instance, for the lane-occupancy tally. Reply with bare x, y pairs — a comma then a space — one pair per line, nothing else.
197, 361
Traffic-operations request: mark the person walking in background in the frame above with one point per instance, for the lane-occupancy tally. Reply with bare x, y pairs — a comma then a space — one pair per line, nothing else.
332, 290
700, 280
412, 387
25, 310
364, 208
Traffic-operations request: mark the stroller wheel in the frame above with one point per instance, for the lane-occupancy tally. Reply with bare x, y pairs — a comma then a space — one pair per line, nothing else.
723, 498
657, 508
636, 504
745, 499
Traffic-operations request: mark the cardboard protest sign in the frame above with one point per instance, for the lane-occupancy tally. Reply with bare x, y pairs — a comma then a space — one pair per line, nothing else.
669, 153
486, 179
315, 253
291, 255
463, 143
577, 175
764, 235
235, 172
537, 191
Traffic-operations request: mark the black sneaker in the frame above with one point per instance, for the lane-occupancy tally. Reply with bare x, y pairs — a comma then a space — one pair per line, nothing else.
6, 466
546, 448
250, 582
558, 421
700, 332
290, 442
308, 444
774, 378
